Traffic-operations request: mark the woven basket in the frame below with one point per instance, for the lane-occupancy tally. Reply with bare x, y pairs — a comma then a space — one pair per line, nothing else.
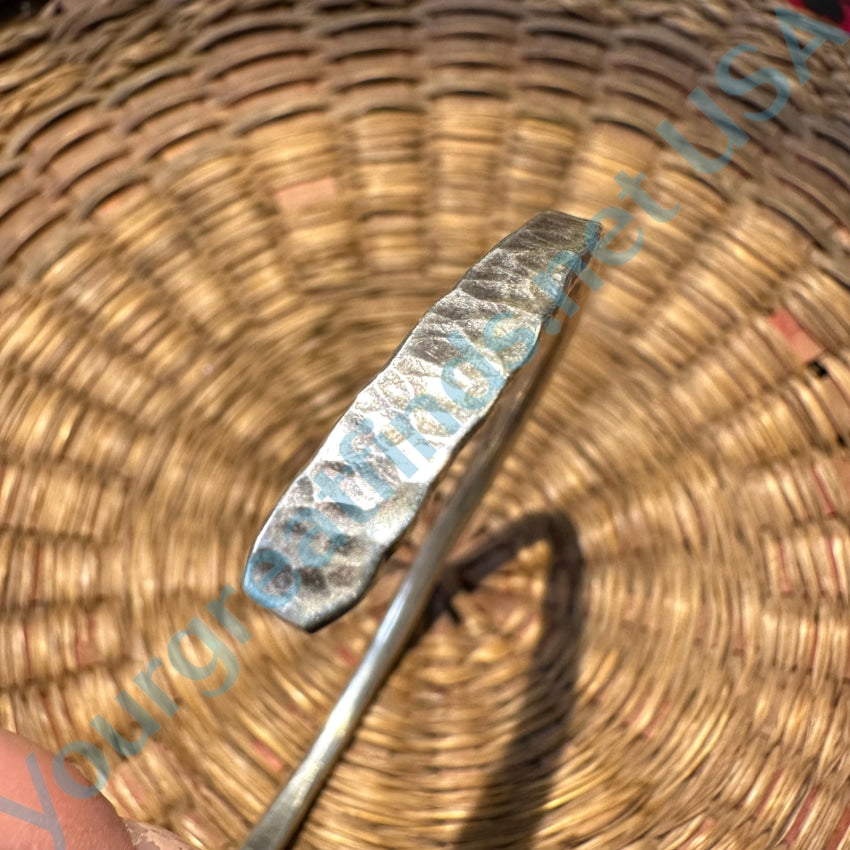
218, 218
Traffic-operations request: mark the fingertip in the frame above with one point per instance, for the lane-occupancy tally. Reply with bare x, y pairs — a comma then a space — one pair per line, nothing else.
35, 810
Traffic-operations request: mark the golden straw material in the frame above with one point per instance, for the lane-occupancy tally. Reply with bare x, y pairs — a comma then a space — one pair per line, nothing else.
218, 218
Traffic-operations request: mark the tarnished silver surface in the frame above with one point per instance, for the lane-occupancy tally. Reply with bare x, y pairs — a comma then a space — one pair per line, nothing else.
322, 543
517, 279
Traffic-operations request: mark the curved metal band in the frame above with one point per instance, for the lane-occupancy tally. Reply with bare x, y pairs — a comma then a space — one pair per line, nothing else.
478, 354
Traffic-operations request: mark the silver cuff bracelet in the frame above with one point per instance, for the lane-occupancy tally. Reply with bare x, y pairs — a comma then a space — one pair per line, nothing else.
453, 393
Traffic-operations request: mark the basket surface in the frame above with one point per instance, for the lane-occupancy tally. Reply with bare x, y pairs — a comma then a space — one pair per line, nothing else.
218, 218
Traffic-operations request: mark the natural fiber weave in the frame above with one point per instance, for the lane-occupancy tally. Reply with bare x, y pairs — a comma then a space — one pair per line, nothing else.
217, 220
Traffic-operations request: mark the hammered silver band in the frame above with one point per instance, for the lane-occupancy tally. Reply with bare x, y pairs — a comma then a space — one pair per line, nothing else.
343, 513
471, 367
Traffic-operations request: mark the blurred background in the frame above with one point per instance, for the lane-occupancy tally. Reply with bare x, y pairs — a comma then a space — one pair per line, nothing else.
218, 218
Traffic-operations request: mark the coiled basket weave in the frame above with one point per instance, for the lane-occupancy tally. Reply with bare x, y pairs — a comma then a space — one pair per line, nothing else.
218, 218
